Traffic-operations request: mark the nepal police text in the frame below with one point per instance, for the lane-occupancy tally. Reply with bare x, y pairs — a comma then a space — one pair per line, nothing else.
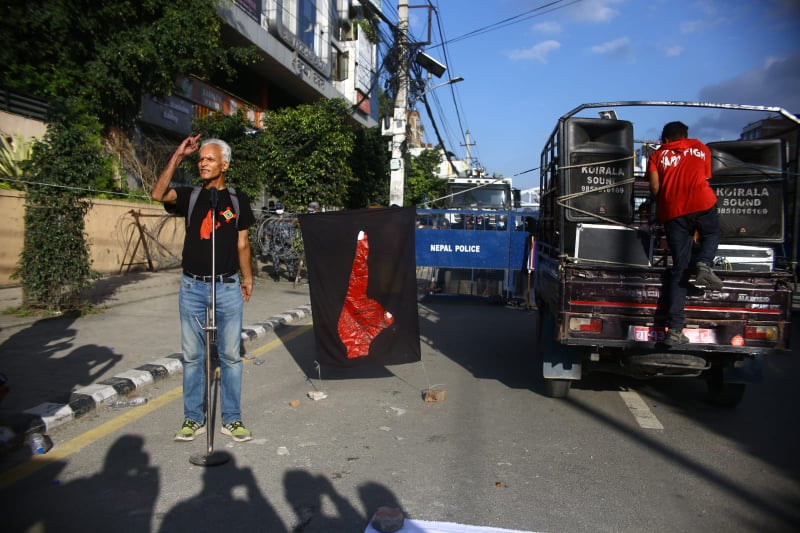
467, 248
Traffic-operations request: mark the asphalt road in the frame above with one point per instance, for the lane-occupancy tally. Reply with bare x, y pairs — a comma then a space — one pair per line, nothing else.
496, 452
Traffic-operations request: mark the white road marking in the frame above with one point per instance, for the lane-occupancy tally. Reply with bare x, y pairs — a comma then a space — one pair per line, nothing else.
643, 415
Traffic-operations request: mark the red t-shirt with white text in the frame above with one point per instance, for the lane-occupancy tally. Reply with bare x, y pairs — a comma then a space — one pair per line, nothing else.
684, 167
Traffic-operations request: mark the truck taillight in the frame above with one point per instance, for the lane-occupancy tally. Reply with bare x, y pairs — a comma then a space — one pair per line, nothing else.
593, 325
761, 333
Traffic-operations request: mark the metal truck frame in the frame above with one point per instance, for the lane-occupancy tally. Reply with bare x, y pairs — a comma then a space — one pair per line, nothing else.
600, 270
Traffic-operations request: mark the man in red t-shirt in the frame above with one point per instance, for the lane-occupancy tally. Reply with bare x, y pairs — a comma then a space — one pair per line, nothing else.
679, 172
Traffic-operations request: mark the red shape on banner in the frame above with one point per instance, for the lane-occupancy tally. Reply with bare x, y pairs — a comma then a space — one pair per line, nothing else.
362, 318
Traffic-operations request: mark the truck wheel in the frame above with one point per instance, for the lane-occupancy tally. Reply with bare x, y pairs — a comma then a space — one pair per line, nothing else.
723, 394
557, 388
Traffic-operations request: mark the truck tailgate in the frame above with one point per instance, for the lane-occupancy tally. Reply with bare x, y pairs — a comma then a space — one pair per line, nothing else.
626, 307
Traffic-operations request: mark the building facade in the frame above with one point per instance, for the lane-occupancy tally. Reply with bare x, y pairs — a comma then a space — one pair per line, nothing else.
309, 49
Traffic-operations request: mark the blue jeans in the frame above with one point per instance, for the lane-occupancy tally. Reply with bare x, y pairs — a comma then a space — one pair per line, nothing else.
680, 236
193, 299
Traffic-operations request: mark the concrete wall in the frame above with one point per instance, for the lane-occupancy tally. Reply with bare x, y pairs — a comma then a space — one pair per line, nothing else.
112, 234
11, 124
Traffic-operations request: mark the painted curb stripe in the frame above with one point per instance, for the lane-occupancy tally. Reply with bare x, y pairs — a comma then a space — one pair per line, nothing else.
49, 415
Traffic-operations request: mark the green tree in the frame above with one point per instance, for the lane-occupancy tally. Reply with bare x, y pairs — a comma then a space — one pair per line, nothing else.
54, 265
97, 59
307, 154
246, 171
422, 185
108, 54
370, 164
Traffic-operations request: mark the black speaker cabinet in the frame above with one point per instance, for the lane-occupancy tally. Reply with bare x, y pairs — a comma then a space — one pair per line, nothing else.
596, 157
747, 177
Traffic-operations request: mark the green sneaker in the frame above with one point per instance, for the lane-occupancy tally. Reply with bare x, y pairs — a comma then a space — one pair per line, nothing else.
675, 337
237, 430
707, 278
189, 430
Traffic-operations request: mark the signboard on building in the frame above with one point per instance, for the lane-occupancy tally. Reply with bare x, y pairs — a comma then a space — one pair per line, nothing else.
304, 51
251, 7
217, 100
169, 112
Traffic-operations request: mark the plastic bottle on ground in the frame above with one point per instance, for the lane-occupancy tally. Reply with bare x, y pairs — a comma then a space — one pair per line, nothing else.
40, 443
132, 402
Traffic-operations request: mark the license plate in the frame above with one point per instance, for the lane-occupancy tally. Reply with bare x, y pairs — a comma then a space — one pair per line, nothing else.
651, 334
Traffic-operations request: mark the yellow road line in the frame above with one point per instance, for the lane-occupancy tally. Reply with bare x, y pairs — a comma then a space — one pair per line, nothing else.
37, 462
62, 451
280, 341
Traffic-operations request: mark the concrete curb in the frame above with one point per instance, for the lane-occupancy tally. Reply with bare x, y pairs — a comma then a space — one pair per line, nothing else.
47, 416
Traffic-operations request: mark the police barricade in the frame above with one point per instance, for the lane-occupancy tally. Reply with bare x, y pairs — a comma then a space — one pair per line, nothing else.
473, 252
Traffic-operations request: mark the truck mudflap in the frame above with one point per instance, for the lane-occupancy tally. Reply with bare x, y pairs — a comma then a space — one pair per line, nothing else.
558, 361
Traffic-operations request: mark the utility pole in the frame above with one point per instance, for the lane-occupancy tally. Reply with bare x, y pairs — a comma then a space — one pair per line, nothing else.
468, 158
397, 164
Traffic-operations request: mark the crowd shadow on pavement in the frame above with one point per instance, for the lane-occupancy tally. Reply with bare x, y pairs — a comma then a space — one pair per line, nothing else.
121, 497
230, 500
124, 496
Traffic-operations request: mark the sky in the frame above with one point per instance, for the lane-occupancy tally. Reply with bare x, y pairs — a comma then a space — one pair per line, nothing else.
551, 56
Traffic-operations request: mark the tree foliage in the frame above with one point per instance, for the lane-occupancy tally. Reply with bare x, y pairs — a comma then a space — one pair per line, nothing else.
303, 154
96, 59
246, 171
54, 265
109, 54
422, 186
307, 153
370, 164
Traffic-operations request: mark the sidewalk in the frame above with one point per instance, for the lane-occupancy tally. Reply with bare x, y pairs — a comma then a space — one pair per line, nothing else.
61, 368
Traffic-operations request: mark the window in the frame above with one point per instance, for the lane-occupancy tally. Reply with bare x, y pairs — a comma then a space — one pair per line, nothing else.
307, 22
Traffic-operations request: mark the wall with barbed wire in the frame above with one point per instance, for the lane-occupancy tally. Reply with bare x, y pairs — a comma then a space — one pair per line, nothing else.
122, 236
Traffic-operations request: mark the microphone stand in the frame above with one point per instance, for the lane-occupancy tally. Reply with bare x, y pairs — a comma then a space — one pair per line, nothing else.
211, 458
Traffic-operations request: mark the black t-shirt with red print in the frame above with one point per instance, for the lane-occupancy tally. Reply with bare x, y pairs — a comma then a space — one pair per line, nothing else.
197, 244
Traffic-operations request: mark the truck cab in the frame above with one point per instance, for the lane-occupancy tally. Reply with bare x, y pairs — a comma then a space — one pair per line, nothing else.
602, 260
484, 193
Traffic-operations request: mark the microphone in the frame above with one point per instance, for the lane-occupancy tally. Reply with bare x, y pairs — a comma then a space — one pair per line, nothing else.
214, 197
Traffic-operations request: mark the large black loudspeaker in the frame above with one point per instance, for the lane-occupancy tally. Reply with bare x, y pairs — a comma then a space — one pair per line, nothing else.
597, 156
747, 177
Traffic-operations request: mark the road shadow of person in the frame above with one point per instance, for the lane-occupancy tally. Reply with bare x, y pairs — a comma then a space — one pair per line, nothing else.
121, 497
230, 500
307, 495
44, 363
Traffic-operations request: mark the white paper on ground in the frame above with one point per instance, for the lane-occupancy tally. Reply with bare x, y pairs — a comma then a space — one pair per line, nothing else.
424, 526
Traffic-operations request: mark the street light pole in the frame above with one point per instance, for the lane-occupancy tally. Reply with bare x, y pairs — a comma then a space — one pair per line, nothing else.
448, 82
397, 163
397, 183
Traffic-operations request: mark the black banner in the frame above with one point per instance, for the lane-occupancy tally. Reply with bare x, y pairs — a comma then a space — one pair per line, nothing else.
361, 269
